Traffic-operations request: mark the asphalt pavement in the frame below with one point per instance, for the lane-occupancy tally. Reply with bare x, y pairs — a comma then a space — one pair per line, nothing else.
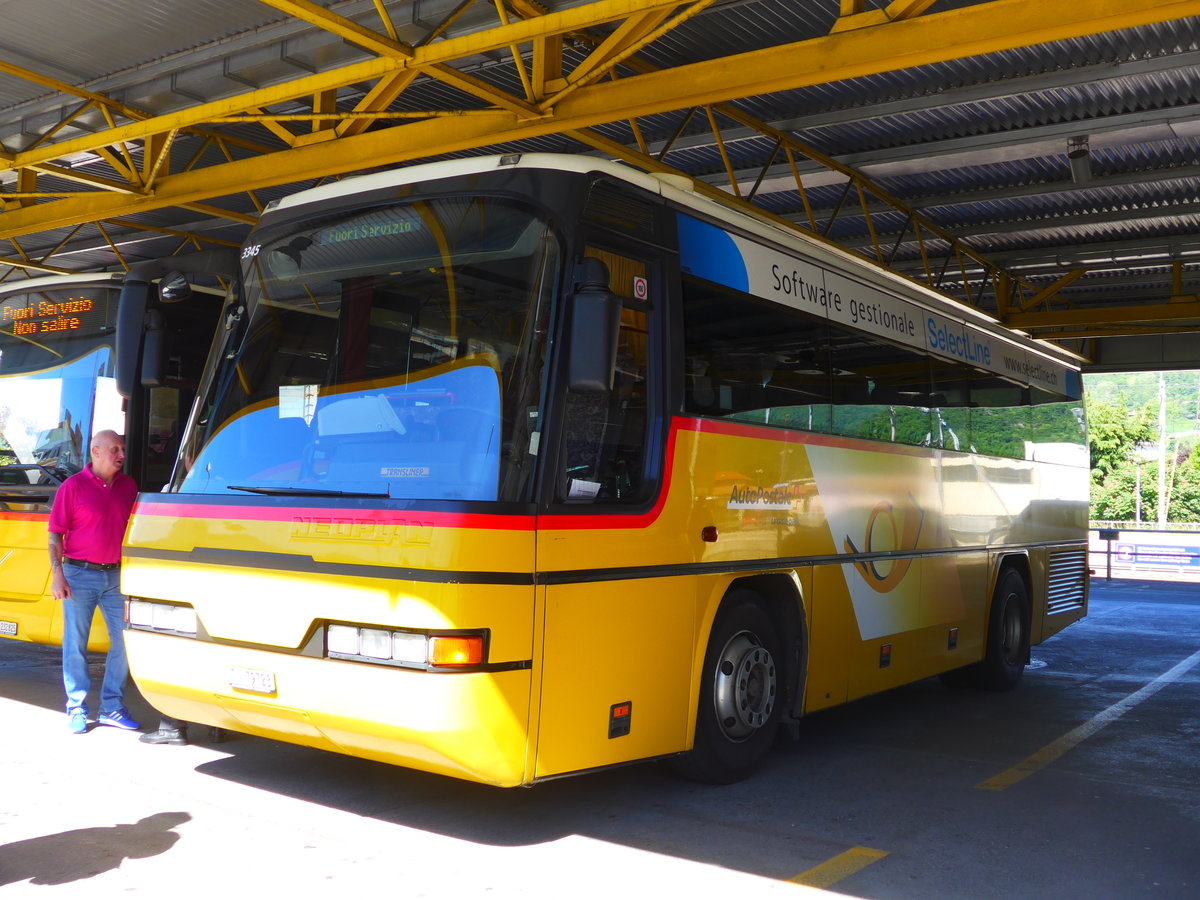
1081, 783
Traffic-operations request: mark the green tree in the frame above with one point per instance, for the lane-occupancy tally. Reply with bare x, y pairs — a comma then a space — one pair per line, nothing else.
1185, 488
1114, 432
1114, 499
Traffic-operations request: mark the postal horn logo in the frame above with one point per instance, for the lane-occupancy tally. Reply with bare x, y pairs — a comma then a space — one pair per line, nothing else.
905, 528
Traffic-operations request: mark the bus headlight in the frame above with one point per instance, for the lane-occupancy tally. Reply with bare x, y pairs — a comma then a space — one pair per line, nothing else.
171, 618
375, 643
342, 639
405, 648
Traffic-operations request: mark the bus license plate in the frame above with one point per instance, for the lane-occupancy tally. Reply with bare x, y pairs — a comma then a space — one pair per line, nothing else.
255, 680
8, 628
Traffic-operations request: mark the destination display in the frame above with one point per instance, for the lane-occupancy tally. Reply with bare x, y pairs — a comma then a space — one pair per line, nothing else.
46, 315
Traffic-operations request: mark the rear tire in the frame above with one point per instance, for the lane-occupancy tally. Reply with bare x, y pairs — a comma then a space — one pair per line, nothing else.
1008, 635
741, 694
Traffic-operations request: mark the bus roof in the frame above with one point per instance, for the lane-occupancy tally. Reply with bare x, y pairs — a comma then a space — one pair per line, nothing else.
55, 281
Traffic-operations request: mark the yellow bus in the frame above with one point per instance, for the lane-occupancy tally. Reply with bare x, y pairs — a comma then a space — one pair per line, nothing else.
517, 467
58, 387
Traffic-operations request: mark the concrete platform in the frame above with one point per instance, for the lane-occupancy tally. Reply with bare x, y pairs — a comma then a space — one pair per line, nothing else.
1084, 782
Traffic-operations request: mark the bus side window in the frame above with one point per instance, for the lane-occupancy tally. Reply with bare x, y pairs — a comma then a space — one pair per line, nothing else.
951, 406
751, 360
999, 416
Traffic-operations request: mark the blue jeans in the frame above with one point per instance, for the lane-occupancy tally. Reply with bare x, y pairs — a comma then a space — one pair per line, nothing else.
90, 589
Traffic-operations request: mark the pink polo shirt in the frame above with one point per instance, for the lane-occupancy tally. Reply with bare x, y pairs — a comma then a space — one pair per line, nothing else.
92, 516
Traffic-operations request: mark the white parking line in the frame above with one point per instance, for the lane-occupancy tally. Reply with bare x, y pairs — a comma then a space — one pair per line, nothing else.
1057, 748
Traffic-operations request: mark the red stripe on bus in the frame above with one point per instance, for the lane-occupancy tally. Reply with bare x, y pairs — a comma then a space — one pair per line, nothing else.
620, 520
151, 507
25, 516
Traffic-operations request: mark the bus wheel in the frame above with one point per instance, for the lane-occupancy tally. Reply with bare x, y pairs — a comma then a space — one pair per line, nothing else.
1008, 635
741, 692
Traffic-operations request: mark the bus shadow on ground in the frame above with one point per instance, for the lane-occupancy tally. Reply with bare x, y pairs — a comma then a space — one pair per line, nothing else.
897, 771
760, 826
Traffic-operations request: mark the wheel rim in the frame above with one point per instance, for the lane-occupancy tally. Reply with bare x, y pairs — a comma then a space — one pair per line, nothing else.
745, 686
1012, 631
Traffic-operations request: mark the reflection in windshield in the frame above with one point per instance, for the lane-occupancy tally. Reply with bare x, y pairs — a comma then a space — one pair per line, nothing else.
393, 353
48, 417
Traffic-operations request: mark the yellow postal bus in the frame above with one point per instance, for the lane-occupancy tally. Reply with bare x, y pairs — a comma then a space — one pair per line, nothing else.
517, 467
57, 389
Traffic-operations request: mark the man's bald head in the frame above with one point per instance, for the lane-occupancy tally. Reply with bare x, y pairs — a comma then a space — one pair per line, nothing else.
108, 454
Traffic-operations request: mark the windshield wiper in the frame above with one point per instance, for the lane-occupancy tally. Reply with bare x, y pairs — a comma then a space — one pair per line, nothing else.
6, 497
305, 492
25, 467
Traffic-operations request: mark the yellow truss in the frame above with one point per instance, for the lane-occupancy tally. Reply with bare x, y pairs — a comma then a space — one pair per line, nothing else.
610, 84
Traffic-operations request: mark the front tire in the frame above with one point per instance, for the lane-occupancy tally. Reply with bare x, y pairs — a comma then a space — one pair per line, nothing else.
741, 694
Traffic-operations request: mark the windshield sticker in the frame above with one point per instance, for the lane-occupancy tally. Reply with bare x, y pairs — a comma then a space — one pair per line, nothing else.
298, 401
404, 472
582, 489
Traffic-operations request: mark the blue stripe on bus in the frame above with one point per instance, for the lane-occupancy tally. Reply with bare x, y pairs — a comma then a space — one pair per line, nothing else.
709, 253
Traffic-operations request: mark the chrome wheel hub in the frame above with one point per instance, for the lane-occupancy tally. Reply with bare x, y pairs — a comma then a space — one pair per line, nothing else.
745, 686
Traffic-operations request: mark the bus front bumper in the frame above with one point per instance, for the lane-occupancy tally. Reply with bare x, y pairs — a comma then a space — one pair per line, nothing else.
470, 725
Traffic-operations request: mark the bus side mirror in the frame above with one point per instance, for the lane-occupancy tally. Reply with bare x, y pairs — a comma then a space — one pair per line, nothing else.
154, 350
134, 327
174, 287
595, 330
131, 320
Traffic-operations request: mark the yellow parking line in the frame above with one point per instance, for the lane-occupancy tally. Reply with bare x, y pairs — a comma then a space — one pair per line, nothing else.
841, 866
1057, 748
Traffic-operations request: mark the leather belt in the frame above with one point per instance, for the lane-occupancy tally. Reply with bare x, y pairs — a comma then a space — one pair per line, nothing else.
84, 564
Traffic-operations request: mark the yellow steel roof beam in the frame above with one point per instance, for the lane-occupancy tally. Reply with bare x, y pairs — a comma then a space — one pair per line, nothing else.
422, 58
174, 232
988, 27
342, 27
71, 117
384, 46
1185, 309
853, 14
609, 64
105, 104
217, 212
96, 182
209, 112
281, 131
1065, 334
34, 266
1047, 294
62, 87
629, 33
377, 99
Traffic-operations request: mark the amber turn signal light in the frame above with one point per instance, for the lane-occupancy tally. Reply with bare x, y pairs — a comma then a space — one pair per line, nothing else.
456, 650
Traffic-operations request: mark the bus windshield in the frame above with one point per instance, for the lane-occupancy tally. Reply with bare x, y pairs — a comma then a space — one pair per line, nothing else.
395, 352
56, 381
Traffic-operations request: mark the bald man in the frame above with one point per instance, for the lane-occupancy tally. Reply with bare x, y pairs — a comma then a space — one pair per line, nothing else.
87, 527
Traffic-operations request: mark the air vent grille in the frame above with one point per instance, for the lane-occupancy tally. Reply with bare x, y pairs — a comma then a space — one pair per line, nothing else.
1067, 581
